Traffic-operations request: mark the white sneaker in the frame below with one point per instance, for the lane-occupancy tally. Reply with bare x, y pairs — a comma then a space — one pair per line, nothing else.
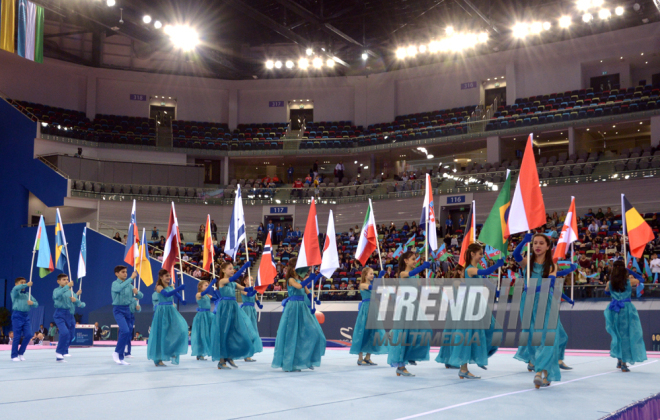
16, 359
59, 356
124, 362
67, 355
21, 357
130, 356
115, 357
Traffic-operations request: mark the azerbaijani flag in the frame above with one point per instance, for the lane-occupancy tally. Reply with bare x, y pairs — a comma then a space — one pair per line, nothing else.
441, 254
30, 39
469, 236
60, 242
527, 207
639, 232
368, 242
209, 251
495, 226
44, 259
647, 269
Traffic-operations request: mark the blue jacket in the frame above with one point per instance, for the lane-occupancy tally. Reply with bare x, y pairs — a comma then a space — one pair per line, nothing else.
19, 299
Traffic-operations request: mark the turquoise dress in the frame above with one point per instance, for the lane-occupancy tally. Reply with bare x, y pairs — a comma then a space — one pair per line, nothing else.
622, 323
233, 335
200, 335
168, 336
300, 342
363, 338
476, 353
542, 357
417, 349
251, 312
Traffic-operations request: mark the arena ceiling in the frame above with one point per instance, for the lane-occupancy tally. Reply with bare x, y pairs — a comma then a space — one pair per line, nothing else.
239, 36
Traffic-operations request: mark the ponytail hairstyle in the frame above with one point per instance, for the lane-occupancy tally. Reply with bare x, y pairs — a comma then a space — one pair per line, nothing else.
402, 262
473, 248
548, 264
365, 273
290, 270
161, 273
224, 265
618, 277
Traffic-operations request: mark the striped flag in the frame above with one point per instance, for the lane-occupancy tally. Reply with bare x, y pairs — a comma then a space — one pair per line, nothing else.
236, 232
330, 260
44, 259
441, 254
132, 239
429, 208
209, 251
527, 208
30, 39
309, 253
171, 251
82, 257
7, 24
635, 227
494, 232
568, 233
60, 242
142, 264
647, 269
368, 241
469, 236
267, 270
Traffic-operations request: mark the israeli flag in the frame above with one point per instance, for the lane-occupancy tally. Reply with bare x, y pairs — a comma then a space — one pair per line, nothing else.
236, 232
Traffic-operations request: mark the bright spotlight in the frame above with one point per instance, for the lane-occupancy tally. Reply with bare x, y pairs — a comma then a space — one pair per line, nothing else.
330, 62
146, 19
401, 53
434, 46
157, 24
520, 30
309, 51
168, 29
597, 3
411, 51
422, 48
546, 26
536, 27
317, 63
583, 5
270, 64
604, 14
278, 64
483, 37
303, 63
587, 17
449, 30
565, 22
289, 64
183, 37
364, 56
618, 11
111, 3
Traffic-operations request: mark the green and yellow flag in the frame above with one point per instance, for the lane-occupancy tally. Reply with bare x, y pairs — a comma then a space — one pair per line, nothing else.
492, 232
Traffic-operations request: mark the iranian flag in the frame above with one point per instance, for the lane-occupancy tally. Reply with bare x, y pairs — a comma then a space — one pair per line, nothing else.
368, 242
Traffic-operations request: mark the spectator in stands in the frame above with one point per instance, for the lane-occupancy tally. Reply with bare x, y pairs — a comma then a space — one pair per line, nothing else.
289, 173
261, 232
308, 180
461, 221
449, 226
42, 330
655, 265
600, 215
214, 230
97, 332
52, 331
593, 227
589, 214
608, 214
161, 243
339, 170
197, 273
654, 222
221, 245
315, 168
117, 237
553, 232
278, 233
270, 227
124, 240
298, 185
154, 234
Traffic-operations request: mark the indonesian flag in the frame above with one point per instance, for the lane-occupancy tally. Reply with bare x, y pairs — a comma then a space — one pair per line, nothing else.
330, 260
527, 208
131, 252
310, 254
209, 251
470, 235
568, 233
172, 251
267, 269
429, 212
368, 242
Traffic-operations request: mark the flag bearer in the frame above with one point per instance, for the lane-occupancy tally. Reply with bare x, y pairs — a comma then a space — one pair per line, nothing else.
20, 317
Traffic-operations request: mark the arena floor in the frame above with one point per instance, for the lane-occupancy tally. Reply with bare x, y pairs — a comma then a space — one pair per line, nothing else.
90, 385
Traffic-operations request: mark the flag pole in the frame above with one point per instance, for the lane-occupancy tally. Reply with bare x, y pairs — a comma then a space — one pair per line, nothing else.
31, 268
572, 272
529, 258
380, 260
426, 238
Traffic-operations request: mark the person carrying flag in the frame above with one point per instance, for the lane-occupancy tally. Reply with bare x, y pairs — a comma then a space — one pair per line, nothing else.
20, 317
65, 306
200, 334
123, 295
249, 300
363, 338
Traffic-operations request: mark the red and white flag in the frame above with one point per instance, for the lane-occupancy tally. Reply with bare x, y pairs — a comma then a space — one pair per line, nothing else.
368, 242
172, 251
330, 256
527, 210
568, 233
310, 253
267, 269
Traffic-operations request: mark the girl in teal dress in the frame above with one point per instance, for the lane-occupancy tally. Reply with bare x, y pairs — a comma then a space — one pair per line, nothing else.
622, 320
544, 360
399, 354
300, 342
168, 336
463, 354
363, 338
249, 300
200, 335
233, 336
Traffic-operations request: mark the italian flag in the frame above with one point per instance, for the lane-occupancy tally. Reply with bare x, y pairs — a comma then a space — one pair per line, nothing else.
30, 33
368, 242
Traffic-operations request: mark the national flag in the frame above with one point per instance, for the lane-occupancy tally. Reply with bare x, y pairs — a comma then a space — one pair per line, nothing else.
310, 253
647, 269
236, 233
60, 242
171, 252
493, 233
82, 257
30, 31
640, 289
469, 236
368, 242
632, 263
142, 264
568, 233
441, 254
511, 275
330, 260
492, 253
7, 24
267, 269
208, 250
655, 278
639, 232
132, 239
527, 207
44, 259
403, 247
483, 263
563, 265
428, 210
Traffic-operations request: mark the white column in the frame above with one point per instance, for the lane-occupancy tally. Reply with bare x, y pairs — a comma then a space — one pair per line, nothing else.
225, 170
493, 149
655, 131
571, 140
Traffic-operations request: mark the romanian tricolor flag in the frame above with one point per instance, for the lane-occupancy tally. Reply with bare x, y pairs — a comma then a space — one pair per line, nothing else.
639, 232
469, 235
60, 243
44, 259
209, 252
